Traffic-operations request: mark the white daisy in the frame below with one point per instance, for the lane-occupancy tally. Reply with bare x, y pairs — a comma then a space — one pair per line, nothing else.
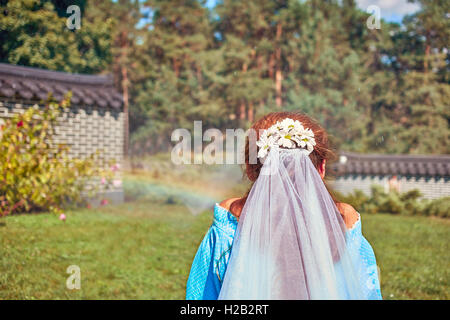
298, 127
286, 141
262, 153
271, 132
309, 147
264, 143
287, 125
287, 133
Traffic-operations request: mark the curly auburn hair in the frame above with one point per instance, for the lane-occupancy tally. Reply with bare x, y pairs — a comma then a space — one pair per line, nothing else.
322, 151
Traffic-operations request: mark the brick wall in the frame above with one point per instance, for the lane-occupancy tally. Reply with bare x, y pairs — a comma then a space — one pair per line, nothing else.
431, 187
85, 129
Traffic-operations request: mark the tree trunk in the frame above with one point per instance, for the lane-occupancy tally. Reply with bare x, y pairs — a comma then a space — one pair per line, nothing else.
199, 74
279, 88
271, 65
176, 67
125, 109
250, 112
259, 63
278, 73
242, 113
427, 56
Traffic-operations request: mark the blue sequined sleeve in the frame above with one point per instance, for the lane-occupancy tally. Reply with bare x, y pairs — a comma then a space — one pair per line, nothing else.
365, 262
209, 265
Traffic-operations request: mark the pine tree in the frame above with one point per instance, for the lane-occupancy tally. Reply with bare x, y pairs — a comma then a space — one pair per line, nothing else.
425, 90
410, 91
179, 83
123, 15
324, 80
252, 35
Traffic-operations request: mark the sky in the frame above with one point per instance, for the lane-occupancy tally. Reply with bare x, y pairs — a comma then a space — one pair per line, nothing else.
390, 10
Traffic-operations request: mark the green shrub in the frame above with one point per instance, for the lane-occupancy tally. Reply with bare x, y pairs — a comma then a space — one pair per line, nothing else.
408, 203
438, 207
36, 173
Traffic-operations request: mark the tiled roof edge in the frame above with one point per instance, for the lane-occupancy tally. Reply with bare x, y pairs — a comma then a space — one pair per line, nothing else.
58, 76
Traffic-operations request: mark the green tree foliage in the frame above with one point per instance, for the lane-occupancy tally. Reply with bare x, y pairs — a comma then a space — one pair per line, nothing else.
34, 33
369, 88
411, 91
382, 90
178, 82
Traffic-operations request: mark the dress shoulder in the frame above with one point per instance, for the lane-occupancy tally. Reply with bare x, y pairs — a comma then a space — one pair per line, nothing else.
227, 203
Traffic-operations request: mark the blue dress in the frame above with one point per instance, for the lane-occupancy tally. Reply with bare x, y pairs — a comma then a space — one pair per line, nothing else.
210, 262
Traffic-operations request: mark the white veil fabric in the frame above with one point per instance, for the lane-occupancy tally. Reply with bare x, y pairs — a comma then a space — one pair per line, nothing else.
290, 241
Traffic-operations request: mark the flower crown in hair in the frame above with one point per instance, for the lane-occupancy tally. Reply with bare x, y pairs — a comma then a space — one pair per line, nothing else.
288, 134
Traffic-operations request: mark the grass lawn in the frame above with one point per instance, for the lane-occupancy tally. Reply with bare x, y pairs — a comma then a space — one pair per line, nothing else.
144, 249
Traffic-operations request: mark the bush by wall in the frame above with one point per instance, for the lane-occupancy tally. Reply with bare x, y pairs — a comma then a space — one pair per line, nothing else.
408, 203
35, 172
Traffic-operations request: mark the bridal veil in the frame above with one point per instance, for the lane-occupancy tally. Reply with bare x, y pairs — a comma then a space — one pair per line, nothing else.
290, 242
